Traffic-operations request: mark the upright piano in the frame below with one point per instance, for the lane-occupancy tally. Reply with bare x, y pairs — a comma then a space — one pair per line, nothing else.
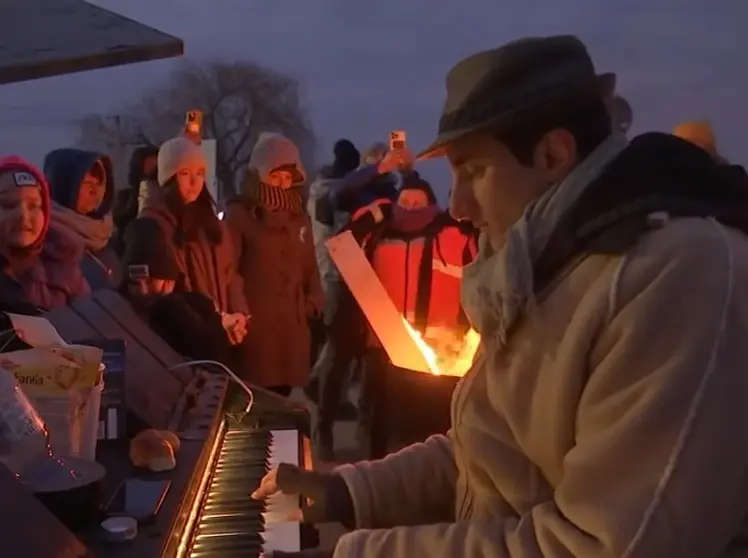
207, 512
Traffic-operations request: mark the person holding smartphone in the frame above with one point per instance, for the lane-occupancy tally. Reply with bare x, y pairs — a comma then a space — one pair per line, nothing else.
180, 212
188, 321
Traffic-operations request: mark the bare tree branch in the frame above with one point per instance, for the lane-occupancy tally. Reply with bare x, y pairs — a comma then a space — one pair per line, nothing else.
239, 101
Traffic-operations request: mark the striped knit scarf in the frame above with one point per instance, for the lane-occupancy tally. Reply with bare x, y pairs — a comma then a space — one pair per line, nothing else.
287, 200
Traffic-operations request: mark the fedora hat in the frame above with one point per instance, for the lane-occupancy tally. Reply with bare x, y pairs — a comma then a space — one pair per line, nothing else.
489, 87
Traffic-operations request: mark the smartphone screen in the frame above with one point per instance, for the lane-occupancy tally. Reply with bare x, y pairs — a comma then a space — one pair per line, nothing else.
139, 499
397, 140
194, 121
137, 272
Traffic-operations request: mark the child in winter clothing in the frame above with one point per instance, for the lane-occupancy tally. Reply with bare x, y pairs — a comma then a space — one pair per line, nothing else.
40, 267
81, 185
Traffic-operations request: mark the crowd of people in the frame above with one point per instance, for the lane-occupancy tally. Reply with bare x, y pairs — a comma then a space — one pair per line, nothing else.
253, 288
604, 414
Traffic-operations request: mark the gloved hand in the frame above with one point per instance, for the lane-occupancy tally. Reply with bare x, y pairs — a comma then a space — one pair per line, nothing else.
331, 499
311, 553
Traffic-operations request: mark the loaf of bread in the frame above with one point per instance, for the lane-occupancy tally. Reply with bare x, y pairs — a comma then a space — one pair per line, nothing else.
154, 450
172, 438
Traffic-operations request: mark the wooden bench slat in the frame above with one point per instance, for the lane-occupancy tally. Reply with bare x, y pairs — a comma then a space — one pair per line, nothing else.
123, 313
73, 327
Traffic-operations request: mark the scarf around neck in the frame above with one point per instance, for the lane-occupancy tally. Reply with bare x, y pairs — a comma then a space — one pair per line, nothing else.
287, 200
499, 285
412, 220
94, 233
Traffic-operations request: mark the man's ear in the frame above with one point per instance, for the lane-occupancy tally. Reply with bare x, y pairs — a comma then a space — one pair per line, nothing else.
556, 154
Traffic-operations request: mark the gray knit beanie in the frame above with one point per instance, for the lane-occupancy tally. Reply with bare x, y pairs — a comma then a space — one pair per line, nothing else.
175, 154
276, 152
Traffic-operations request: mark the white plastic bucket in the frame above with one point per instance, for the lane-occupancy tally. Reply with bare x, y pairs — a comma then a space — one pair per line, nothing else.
91, 423
72, 420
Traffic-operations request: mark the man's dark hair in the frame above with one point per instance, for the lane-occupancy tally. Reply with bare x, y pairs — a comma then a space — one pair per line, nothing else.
585, 116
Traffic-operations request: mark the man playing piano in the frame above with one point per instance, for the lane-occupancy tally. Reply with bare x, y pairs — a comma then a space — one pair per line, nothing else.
605, 413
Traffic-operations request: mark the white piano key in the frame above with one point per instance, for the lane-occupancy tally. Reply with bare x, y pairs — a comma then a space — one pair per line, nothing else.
284, 447
280, 533
284, 537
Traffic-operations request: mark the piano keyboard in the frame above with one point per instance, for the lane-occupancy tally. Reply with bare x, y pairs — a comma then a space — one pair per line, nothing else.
230, 523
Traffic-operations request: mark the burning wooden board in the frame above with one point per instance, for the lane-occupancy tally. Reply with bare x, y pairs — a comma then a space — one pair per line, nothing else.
398, 339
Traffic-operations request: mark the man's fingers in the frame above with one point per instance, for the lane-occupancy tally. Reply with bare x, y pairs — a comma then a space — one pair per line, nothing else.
268, 486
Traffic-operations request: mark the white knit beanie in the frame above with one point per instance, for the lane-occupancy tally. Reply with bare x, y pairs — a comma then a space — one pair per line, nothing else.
175, 154
274, 151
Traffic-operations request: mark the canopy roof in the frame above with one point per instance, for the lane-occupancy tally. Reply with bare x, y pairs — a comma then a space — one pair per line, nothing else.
43, 38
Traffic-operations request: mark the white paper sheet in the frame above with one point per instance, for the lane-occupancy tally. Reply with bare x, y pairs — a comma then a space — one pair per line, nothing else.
36, 331
376, 304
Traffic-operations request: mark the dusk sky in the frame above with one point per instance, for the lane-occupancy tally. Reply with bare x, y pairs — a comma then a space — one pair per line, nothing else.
370, 67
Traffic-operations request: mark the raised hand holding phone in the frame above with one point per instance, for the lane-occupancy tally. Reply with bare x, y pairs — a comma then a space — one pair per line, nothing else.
193, 126
398, 158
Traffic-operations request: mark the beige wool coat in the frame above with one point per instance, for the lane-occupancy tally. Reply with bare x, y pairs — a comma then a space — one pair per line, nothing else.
611, 422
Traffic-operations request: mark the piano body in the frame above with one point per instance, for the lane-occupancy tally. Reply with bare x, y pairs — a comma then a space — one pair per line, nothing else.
219, 520
207, 512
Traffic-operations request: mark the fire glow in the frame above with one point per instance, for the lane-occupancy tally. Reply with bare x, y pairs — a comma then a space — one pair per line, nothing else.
454, 358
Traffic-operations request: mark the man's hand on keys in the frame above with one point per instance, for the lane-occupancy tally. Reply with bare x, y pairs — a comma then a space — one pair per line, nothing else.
328, 493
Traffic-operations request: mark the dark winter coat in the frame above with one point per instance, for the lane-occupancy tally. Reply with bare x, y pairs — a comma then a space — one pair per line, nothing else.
205, 267
276, 260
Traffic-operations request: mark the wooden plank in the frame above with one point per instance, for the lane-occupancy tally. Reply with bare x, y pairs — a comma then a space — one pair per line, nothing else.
123, 313
73, 327
375, 303
146, 378
73, 36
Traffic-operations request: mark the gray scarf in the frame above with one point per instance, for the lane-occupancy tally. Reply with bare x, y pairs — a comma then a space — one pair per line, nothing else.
94, 233
498, 287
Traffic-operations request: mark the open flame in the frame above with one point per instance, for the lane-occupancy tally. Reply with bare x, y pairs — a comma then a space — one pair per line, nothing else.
452, 356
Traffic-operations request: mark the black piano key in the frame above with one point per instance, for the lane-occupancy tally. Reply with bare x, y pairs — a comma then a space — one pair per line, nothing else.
237, 480
234, 522
235, 500
226, 554
214, 506
224, 507
235, 542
